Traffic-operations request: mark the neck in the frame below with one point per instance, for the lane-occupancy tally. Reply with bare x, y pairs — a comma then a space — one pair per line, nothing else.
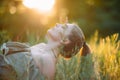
55, 53
54, 47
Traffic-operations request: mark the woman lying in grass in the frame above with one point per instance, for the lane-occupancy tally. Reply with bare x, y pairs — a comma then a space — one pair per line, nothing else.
63, 39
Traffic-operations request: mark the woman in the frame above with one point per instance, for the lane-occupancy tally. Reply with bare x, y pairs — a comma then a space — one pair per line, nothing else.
63, 39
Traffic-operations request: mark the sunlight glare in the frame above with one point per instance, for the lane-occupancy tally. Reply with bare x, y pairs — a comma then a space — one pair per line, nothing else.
41, 5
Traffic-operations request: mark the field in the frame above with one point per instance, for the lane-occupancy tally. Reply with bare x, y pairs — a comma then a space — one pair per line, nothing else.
27, 21
102, 64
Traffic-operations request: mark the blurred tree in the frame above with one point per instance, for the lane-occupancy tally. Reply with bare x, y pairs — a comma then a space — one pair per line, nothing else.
93, 14
90, 15
4, 37
18, 20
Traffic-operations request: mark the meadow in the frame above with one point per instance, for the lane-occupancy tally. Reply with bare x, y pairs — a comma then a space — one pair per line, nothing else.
102, 64
26, 21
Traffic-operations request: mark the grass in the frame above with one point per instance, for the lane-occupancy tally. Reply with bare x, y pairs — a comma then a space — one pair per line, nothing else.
102, 64
106, 57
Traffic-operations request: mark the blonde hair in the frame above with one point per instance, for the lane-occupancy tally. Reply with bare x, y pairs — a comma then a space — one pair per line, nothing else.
77, 41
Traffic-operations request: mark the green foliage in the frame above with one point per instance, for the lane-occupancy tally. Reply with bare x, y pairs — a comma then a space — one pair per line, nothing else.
67, 69
89, 14
34, 39
76, 68
102, 64
4, 37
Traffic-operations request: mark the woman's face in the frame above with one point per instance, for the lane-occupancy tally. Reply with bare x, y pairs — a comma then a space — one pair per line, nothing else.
58, 33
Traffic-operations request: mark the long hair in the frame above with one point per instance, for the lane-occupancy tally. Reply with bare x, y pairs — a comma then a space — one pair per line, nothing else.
77, 41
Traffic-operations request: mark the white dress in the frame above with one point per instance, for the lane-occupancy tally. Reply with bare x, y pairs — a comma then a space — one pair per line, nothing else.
44, 59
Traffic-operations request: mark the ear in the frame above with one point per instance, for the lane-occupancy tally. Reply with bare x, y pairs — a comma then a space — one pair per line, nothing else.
85, 49
65, 41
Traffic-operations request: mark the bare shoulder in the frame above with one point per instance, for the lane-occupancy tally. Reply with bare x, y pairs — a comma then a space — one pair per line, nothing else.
37, 50
40, 45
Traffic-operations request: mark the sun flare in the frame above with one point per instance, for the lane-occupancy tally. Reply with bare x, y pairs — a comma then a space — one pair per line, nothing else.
41, 5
